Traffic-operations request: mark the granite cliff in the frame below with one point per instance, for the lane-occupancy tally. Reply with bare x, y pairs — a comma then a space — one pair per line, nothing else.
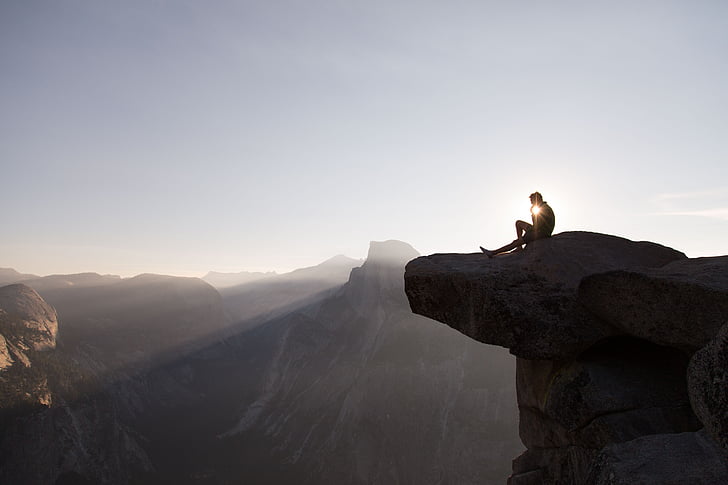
621, 353
28, 326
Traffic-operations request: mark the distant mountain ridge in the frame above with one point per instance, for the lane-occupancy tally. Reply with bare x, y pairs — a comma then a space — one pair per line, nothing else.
338, 383
226, 280
263, 299
9, 275
356, 389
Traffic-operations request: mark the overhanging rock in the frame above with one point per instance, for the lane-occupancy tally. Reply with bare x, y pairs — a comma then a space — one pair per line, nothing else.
527, 301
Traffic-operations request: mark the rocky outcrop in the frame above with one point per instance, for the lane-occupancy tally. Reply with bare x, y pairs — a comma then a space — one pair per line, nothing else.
34, 322
28, 328
681, 305
27, 323
526, 301
603, 329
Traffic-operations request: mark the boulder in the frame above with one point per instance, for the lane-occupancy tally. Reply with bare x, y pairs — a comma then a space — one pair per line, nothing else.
682, 304
708, 387
526, 301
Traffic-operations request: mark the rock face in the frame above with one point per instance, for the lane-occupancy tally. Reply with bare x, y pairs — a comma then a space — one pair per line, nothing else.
526, 301
708, 384
644, 461
682, 304
603, 329
37, 322
27, 323
28, 327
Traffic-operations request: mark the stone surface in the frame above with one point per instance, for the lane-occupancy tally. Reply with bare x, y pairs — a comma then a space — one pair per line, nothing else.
666, 459
526, 301
28, 319
617, 391
708, 387
6, 359
604, 329
682, 304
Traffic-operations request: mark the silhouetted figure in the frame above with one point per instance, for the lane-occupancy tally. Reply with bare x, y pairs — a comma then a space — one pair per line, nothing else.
543, 225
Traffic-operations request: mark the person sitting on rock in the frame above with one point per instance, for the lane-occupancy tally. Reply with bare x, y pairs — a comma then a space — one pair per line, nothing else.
543, 225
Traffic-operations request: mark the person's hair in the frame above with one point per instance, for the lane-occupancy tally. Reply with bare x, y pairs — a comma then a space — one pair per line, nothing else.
537, 196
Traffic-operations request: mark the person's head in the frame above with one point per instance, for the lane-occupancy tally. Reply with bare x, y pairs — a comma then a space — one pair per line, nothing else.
536, 198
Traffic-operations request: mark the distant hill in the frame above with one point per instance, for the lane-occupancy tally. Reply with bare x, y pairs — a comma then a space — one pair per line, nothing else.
226, 280
266, 298
133, 320
352, 388
338, 382
54, 419
9, 275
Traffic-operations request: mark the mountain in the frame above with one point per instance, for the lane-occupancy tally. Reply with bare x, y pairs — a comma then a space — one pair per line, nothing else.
226, 280
352, 388
36, 322
66, 415
149, 384
133, 320
28, 326
53, 418
9, 275
266, 298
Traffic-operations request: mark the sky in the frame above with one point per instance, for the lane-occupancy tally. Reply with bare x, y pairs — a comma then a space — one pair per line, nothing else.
180, 137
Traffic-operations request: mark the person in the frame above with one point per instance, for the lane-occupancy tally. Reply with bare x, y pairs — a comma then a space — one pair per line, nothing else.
543, 225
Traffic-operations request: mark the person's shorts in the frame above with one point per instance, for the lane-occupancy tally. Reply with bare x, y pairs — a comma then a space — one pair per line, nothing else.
529, 236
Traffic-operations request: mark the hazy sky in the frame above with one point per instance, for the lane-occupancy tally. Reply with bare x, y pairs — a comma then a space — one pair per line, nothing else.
180, 137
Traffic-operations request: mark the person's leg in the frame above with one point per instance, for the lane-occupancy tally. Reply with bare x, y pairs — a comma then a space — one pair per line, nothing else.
516, 243
522, 228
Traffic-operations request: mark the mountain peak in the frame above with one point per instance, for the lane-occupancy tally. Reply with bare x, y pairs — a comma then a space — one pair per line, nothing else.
391, 252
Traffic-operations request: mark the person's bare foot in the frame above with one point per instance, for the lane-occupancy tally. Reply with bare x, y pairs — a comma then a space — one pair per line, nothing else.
486, 252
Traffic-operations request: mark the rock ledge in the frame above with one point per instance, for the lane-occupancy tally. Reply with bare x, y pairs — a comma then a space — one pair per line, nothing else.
604, 329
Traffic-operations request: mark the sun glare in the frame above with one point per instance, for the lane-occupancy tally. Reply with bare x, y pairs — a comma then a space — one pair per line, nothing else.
535, 210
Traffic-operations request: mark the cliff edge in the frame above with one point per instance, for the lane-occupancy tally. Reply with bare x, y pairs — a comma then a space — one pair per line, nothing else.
621, 369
